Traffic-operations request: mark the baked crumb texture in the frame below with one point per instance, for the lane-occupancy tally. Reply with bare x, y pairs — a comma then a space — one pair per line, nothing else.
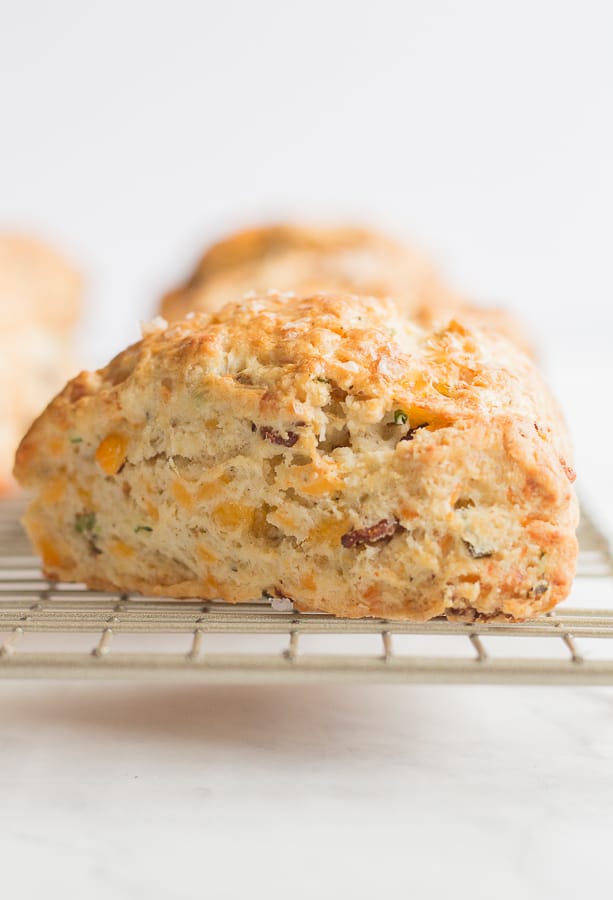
321, 449
39, 299
308, 259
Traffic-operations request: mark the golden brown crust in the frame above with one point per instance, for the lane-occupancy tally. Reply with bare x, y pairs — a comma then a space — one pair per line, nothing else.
321, 448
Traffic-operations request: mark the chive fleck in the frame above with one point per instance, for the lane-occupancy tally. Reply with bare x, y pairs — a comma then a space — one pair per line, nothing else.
76, 439
85, 522
400, 417
143, 528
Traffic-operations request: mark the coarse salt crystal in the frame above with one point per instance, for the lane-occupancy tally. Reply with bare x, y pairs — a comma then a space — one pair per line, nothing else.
282, 604
153, 327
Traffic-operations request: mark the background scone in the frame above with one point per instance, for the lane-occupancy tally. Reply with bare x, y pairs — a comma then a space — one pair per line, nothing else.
323, 449
39, 303
308, 260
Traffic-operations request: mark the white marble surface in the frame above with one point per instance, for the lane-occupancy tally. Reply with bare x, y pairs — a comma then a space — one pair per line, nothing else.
130, 791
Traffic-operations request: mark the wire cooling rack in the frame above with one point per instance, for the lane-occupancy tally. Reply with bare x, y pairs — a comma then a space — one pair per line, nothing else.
50, 630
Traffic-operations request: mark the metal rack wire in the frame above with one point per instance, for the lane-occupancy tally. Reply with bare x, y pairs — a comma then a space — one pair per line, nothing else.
52, 630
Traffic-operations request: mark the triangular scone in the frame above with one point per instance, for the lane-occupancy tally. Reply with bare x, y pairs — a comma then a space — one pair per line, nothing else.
321, 449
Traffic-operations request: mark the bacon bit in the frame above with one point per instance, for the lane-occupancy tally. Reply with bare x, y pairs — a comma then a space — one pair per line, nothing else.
540, 431
477, 552
568, 470
541, 588
411, 432
383, 529
269, 434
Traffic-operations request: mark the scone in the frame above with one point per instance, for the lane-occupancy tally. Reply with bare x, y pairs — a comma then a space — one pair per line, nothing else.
39, 301
311, 259
323, 449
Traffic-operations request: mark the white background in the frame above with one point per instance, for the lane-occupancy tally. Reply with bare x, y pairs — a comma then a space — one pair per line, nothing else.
131, 133
134, 131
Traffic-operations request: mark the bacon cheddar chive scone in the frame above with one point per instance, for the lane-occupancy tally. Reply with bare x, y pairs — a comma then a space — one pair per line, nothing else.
322, 449
39, 302
308, 259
